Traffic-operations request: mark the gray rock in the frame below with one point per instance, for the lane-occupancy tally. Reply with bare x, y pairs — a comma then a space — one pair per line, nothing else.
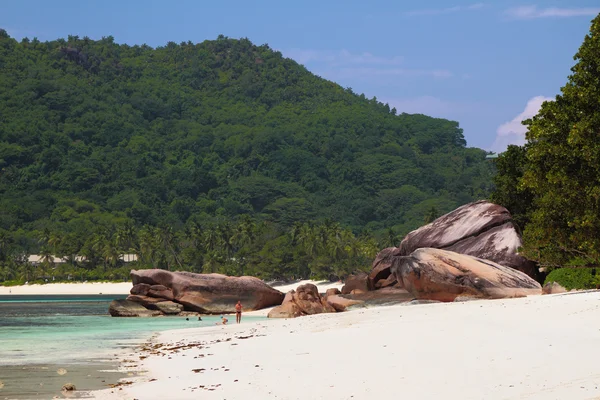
169, 307
127, 308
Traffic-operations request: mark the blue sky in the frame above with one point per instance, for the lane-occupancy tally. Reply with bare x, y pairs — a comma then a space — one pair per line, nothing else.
486, 65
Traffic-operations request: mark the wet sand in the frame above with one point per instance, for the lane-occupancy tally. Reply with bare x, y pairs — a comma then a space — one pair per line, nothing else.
44, 381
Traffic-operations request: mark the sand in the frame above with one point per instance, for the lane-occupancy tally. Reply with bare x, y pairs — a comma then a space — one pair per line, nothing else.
541, 347
69, 288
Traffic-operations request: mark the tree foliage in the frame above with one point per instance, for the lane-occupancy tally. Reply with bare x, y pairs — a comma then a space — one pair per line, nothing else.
556, 185
95, 136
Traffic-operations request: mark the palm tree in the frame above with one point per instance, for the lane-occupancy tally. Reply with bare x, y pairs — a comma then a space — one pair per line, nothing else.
5, 242
147, 247
47, 262
211, 238
391, 238
167, 240
110, 252
6, 271
127, 238
44, 236
26, 272
54, 240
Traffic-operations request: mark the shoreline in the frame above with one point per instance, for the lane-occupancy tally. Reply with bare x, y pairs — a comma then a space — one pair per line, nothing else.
537, 347
74, 288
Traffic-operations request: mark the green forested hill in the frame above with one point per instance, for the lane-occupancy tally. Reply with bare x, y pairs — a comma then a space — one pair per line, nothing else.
98, 138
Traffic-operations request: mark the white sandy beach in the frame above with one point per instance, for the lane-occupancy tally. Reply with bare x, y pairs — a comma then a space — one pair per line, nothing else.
542, 347
69, 288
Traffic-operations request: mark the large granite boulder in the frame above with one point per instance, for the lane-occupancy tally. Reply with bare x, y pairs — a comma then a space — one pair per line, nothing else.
357, 283
127, 308
157, 291
207, 293
481, 229
161, 291
305, 300
145, 301
287, 309
380, 269
434, 274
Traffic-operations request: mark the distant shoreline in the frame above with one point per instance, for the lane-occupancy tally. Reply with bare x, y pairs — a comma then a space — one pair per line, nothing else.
69, 288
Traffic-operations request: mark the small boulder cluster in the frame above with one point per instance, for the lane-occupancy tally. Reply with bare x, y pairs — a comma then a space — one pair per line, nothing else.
306, 300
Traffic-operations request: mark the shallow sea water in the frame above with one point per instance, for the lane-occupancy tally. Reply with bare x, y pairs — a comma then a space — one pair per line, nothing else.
39, 335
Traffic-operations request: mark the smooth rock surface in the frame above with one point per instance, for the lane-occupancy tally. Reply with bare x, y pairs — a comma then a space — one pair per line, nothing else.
141, 289
434, 274
127, 308
340, 303
359, 281
481, 229
146, 301
169, 308
209, 293
305, 300
160, 291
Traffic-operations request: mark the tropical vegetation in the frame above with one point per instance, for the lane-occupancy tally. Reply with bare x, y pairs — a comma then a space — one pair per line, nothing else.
552, 183
215, 156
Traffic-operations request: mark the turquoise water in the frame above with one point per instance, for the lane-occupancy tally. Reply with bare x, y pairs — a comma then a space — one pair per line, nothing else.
74, 329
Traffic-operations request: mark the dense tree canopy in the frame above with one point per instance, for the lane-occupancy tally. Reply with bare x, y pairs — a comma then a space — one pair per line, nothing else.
98, 138
558, 171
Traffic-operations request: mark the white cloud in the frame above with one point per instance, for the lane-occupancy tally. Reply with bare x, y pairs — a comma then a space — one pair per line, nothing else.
344, 64
513, 132
447, 10
532, 12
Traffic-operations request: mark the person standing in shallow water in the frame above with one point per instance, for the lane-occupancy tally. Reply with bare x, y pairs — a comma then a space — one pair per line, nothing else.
238, 312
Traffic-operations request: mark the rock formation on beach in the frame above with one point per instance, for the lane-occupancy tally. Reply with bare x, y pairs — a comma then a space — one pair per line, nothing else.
434, 274
170, 293
128, 308
470, 252
305, 300
481, 229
